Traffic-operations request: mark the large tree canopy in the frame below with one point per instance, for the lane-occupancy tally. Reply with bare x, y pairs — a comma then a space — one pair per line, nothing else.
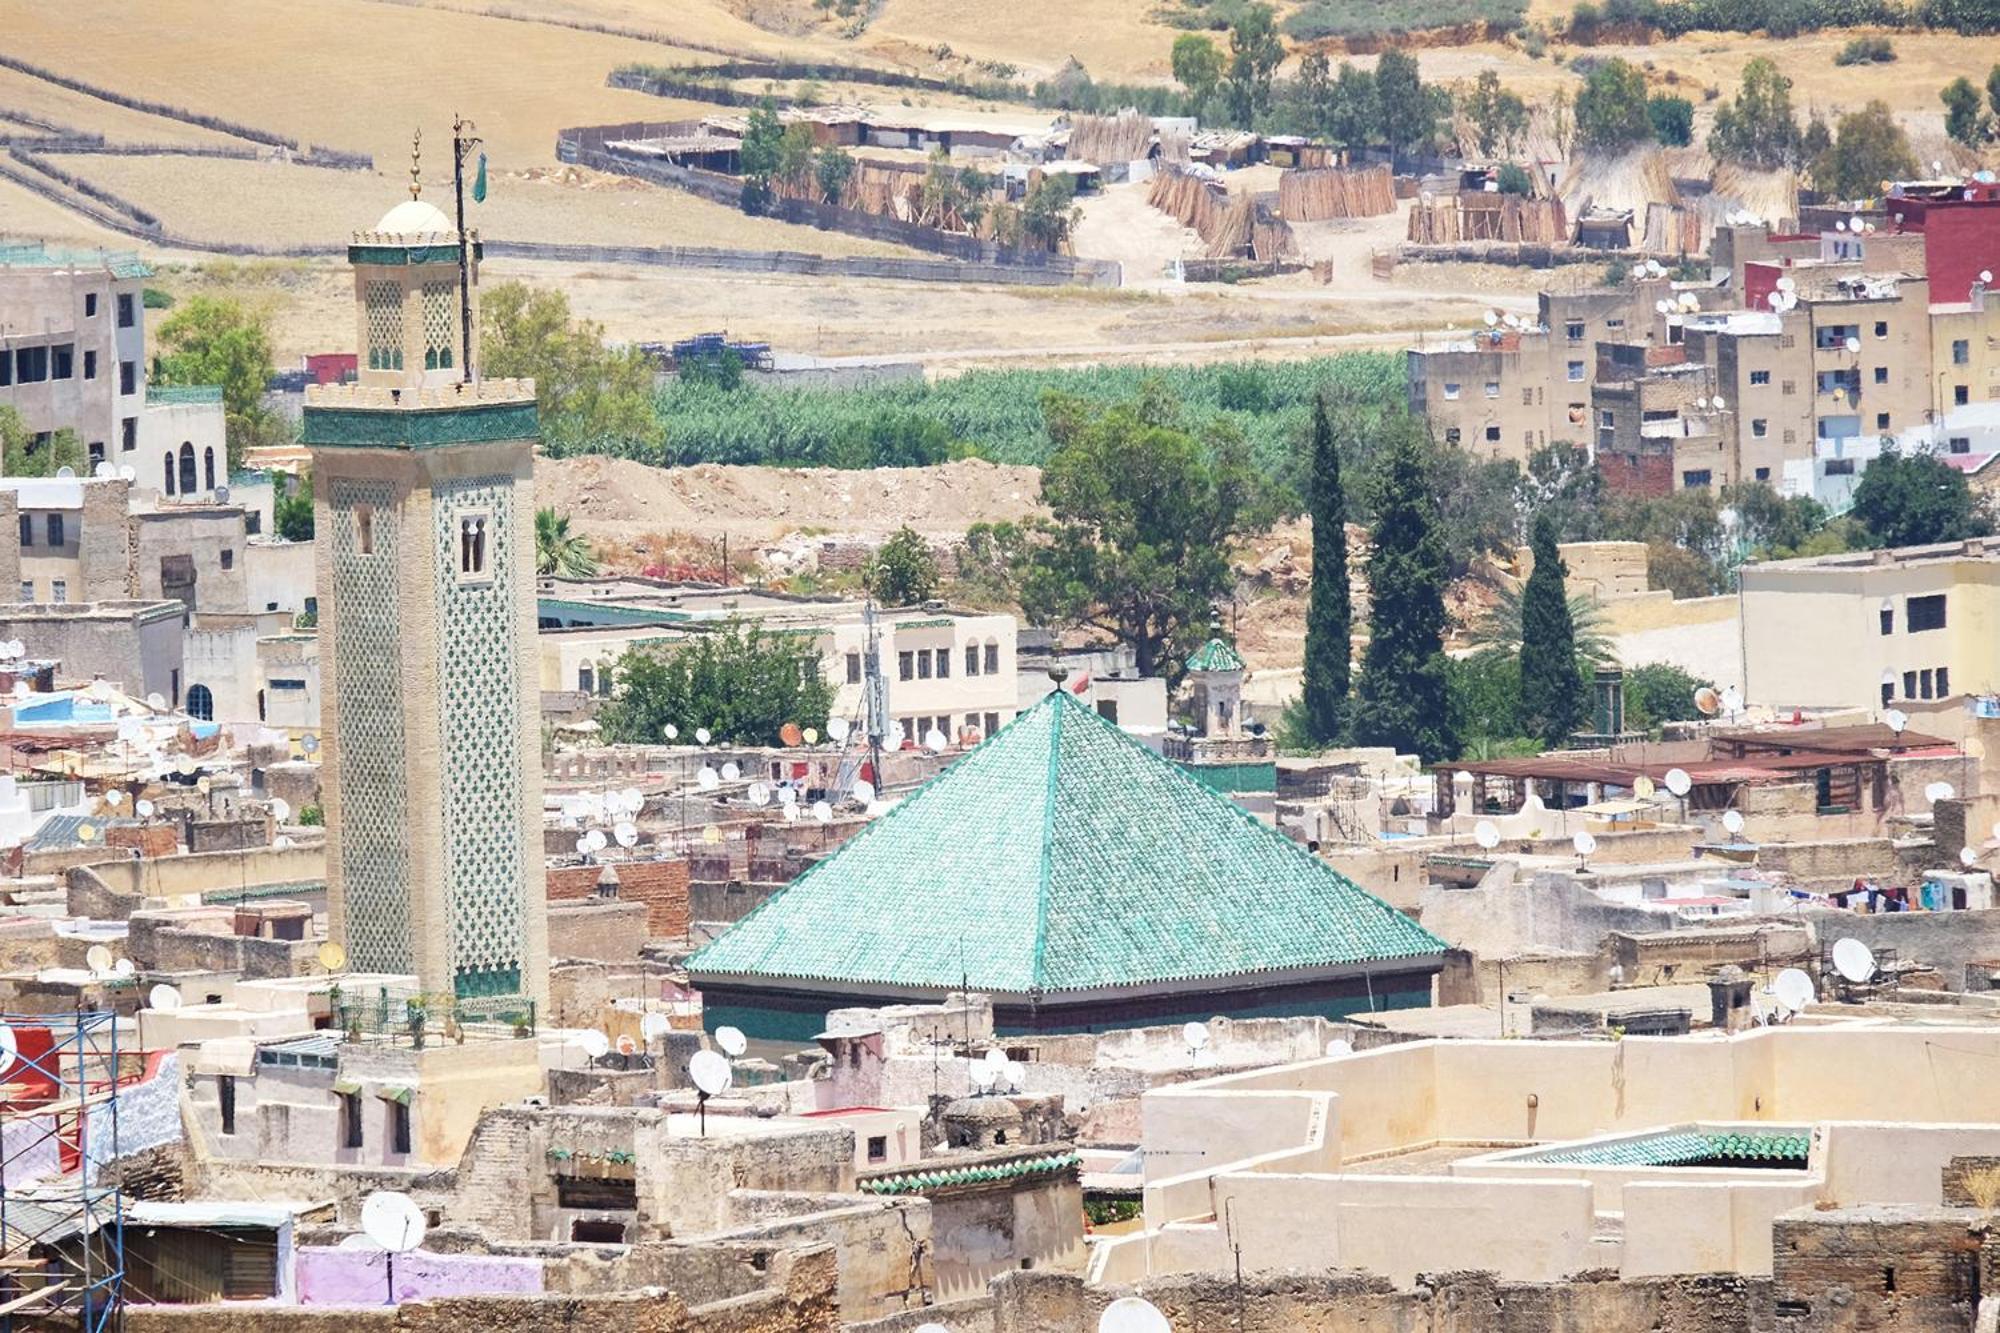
738, 681
1402, 700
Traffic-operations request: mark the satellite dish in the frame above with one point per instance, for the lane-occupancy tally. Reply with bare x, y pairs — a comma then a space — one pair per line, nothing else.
1776, 300
65, 474
670, 731
128, 472
822, 812
1855, 223
701, 735
1584, 843
281, 809
1015, 1074
598, 842
837, 728
1492, 318
10, 1049
1896, 719
1986, 275
711, 834
114, 797
732, 1041
810, 736
626, 834
934, 741
1794, 989
1720, 406
594, 1043
1662, 307
144, 809
156, 700
1853, 960
124, 969
1487, 834
791, 814
1787, 283
310, 744
996, 1058
1706, 701
86, 832
731, 772
99, 958
583, 845
760, 795
163, 998
1967, 857
1678, 782
105, 471
710, 1072
654, 1026
393, 1221
1339, 1046
983, 1076
788, 796
1938, 791
1642, 787
626, 1046
864, 790
1841, 225
707, 779
1733, 820
1196, 1035
1130, 1314
332, 956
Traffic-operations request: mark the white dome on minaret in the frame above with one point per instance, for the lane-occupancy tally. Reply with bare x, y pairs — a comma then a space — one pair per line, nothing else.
415, 217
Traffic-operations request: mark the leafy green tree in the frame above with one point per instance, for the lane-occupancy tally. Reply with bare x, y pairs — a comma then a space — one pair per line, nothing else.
1552, 698
560, 551
1255, 50
1354, 111
1197, 65
1673, 119
1499, 117
903, 572
1310, 95
738, 681
795, 157
761, 157
1513, 178
1660, 692
1759, 127
1962, 118
1329, 608
1916, 500
1562, 482
1776, 527
1401, 698
1611, 113
1142, 519
23, 455
292, 510
1483, 697
1407, 109
589, 395
1993, 90
1499, 628
832, 170
1049, 214
1869, 147
218, 341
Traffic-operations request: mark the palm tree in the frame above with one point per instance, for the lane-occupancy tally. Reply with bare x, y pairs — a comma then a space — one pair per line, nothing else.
557, 551
1500, 628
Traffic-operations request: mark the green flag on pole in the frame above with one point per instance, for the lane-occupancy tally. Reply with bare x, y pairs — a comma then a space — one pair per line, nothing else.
479, 182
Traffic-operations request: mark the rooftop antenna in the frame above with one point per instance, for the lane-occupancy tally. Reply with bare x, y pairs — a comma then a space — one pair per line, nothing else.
394, 1222
1196, 1035
712, 1077
462, 142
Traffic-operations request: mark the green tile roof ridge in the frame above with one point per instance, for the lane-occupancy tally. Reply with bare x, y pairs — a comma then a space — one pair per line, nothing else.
1139, 875
1215, 655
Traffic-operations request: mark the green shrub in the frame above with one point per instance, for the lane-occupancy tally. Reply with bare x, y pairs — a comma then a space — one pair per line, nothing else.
1866, 51
1370, 18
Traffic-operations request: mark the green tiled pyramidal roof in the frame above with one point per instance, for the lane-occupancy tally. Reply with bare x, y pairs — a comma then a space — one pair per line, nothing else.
1215, 655
1061, 855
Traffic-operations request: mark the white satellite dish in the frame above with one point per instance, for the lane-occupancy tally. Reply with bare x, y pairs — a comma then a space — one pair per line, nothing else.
1794, 989
1986, 275
707, 779
144, 809
1492, 318
1967, 857
627, 834
1196, 1035
10, 1049
128, 472
1339, 1046
114, 797
732, 1041
1787, 283
1678, 782
1130, 1314
983, 1076
760, 795
1840, 225
98, 957
1662, 307
1938, 791
837, 728
731, 772
822, 812
124, 968
670, 731
163, 998
594, 1043
934, 741
788, 796
1015, 1074
864, 791
1584, 843
1487, 834
1776, 300
1853, 959
1897, 719
583, 846
281, 809
105, 471
1733, 820
654, 1026
701, 735
1720, 406
791, 814
710, 1072
393, 1221
65, 473
156, 700
996, 1058
598, 842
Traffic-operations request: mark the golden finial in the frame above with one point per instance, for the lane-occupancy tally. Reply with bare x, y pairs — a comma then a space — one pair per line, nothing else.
416, 162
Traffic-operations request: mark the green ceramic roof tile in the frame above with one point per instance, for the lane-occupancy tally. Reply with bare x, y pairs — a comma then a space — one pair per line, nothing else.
1675, 1148
1061, 855
1215, 655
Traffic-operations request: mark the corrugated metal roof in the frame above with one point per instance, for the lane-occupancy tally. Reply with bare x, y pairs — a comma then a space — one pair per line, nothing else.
61, 832
1061, 855
324, 1045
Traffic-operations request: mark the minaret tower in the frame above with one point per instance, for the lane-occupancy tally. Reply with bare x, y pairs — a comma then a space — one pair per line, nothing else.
430, 715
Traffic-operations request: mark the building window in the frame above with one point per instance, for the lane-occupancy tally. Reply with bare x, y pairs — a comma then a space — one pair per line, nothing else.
1759, 427
1696, 479
1573, 330
364, 529
208, 466
127, 313
854, 668
31, 365
992, 659
586, 679
253, 523
992, 723
923, 666
350, 1114
96, 453
90, 305
1493, 435
1888, 619
1788, 388
128, 435
187, 467
1763, 474
943, 663
1888, 692
128, 377
472, 545
909, 725
1959, 444
1924, 613
971, 659
1450, 391
1943, 682
169, 483
1527, 397
1575, 371
906, 667
225, 1091
54, 525
1493, 388
228, 559
399, 1127
1452, 435
27, 529
1881, 374
1961, 351
1606, 419
1924, 684
89, 363
1881, 421
1760, 377
1881, 328
1959, 397
878, 1147
62, 361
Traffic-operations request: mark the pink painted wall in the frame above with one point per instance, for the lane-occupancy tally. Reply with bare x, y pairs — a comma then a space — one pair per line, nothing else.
356, 1277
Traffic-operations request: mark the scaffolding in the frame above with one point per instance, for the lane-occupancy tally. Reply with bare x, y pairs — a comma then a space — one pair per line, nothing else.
62, 1234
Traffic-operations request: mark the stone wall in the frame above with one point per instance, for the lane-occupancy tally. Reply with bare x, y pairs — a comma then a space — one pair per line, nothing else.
611, 930
1902, 1268
661, 885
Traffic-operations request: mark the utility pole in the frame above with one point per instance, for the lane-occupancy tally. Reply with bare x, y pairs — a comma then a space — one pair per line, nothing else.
463, 142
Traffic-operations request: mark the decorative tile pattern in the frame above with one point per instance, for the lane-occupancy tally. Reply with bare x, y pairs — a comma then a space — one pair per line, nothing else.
479, 715
417, 428
440, 324
382, 304
368, 676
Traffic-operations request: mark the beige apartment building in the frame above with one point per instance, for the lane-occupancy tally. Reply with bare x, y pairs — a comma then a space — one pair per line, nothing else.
73, 345
1965, 353
1498, 393
1872, 628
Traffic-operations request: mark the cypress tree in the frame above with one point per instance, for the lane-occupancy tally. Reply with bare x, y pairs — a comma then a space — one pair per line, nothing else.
1329, 611
1552, 698
1401, 700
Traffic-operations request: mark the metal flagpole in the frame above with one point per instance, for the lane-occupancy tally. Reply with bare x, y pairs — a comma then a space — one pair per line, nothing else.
460, 142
